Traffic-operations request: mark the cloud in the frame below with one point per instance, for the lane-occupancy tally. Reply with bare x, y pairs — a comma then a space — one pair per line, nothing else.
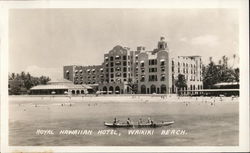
208, 40
53, 73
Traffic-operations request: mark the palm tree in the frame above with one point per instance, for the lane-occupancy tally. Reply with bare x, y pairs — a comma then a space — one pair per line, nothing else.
13, 76
234, 57
210, 59
219, 62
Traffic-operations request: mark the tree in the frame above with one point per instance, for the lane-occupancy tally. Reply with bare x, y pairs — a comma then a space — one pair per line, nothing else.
237, 74
216, 73
44, 79
181, 82
132, 85
21, 83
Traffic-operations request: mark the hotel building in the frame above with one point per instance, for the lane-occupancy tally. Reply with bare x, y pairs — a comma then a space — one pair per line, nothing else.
151, 71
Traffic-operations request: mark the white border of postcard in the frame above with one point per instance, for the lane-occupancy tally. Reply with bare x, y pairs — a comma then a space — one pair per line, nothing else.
241, 5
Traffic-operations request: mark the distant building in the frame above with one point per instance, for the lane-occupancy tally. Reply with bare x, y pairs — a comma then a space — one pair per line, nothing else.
191, 68
60, 87
153, 71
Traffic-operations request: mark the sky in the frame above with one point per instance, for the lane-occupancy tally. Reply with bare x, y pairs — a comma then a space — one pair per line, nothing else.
42, 41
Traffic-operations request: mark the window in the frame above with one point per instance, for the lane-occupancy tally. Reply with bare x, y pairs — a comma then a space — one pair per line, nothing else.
118, 74
111, 75
111, 70
142, 78
142, 64
124, 75
162, 63
111, 58
163, 78
111, 64
152, 78
118, 69
124, 63
152, 69
118, 63
142, 70
162, 69
107, 70
124, 57
153, 62
117, 57
124, 69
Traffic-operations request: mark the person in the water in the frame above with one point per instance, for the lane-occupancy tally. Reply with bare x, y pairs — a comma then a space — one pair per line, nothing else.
128, 121
115, 121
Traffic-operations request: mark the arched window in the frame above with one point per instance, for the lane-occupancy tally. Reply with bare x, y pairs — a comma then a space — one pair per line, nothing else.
105, 90
117, 90
111, 89
163, 89
128, 90
143, 89
152, 89
77, 92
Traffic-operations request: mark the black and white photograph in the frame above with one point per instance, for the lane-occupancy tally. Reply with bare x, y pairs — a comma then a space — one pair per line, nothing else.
124, 77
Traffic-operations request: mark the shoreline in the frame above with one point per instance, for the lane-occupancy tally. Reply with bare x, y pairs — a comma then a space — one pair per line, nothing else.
126, 98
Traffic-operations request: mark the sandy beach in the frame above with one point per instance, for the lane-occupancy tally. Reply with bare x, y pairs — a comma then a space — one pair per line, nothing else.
207, 121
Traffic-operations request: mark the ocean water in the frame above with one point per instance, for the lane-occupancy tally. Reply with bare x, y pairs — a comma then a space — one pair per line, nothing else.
206, 123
